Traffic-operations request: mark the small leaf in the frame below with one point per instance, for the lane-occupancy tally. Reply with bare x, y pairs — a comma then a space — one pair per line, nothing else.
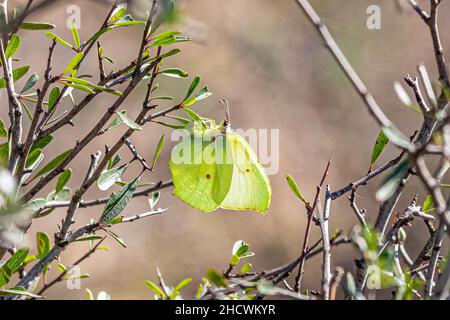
235, 260
33, 157
216, 277
80, 87
266, 287
62, 268
31, 82
17, 75
41, 143
153, 200
113, 161
183, 284
74, 62
157, 290
158, 151
402, 94
392, 181
13, 46
15, 262
3, 131
35, 204
53, 36
64, 177
116, 237
117, 203
76, 36
53, 164
174, 73
192, 88
53, 97
89, 238
246, 268
128, 122
428, 204
36, 26
397, 137
380, 144
118, 13
110, 177
43, 244
294, 187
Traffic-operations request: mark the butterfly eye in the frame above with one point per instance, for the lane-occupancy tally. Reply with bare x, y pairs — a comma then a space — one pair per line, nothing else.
208, 176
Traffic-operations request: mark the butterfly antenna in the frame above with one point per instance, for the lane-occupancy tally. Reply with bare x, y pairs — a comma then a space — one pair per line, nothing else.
226, 108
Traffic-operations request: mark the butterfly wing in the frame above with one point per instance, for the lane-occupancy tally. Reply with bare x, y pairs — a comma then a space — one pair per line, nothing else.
250, 187
199, 178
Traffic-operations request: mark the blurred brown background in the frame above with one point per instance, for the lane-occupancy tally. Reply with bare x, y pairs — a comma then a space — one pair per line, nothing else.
269, 62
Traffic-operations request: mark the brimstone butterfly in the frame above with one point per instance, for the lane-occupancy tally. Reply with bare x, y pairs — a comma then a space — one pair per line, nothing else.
214, 167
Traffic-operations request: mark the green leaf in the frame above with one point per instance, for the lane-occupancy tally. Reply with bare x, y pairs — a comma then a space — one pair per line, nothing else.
157, 290
182, 284
43, 244
31, 82
153, 200
13, 46
392, 181
117, 203
53, 164
17, 75
80, 87
76, 36
36, 26
235, 260
64, 177
428, 204
166, 34
128, 23
174, 73
113, 161
118, 13
203, 94
246, 268
16, 261
27, 25
53, 97
402, 94
158, 151
35, 204
41, 143
116, 237
397, 137
380, 144
193, 115
74, 62
33, 157
4, 153
18, 291
168, 125
91, 85
110, 177
53, 36
168, 40
294, 187
89, 238
192, 88
216, 277
128, 122
266, 287
3, 131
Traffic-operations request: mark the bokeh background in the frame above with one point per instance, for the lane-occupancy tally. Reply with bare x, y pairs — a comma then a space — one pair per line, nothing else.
268, 61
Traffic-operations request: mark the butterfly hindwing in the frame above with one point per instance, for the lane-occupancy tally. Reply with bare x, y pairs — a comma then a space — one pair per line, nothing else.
250, 187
